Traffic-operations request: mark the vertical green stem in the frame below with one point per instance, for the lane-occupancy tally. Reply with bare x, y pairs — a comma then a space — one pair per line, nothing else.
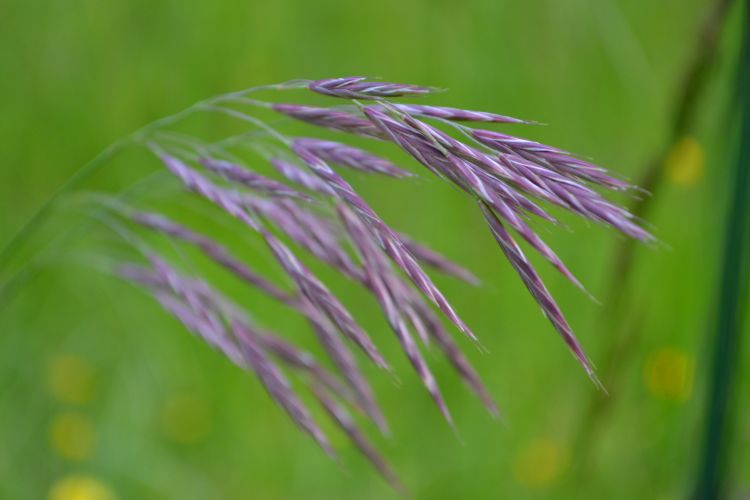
729, 314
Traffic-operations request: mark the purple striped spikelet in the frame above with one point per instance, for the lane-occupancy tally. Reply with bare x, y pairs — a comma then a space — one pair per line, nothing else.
456, 114
250, 179
358, 88
329, 118
348, 156
299, 176
512, 181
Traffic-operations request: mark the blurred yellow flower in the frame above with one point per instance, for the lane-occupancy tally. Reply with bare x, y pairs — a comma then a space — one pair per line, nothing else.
70, 379
668, 374
186, 418
685, 162
72, 436
78, 487
540, 463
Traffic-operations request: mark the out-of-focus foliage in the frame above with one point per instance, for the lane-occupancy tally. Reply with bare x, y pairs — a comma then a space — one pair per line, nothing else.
103, 396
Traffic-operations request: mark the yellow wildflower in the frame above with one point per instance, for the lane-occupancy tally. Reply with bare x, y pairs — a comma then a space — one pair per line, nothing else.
72, 436
685, 162
70, 379
540, 463
79, 487
668, 374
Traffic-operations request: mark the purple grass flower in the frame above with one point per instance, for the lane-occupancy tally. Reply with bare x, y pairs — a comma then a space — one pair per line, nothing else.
458, 162
330, 118
536, 287
455, 114
416, 144
248, 348
309, 285
216, 252
251, 180
358, 88
512, 180
348, 156
379, 278
579, 199
305, 179
277, 385
387, 238
345, 362
421, 317
302, 360
239, 269
205, 188
186, 300
480, 165
345, 421
431, 149
420, 252
337, 351
249, 352
556, 159
317, 293
455, 356
307, 230
433, 259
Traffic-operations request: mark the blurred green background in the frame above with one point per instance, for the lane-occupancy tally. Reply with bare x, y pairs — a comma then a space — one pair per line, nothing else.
103, 395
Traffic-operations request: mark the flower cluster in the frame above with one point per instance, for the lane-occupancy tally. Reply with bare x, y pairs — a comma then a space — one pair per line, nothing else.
512, 181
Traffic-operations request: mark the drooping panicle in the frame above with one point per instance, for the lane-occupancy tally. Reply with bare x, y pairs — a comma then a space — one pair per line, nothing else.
513, 181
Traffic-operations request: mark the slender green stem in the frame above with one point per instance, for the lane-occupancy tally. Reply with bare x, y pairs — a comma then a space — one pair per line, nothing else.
36, 220
85, 172
79, 177
730, 308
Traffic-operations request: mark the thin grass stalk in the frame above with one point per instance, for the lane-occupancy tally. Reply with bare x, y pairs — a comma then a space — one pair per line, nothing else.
732, 302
